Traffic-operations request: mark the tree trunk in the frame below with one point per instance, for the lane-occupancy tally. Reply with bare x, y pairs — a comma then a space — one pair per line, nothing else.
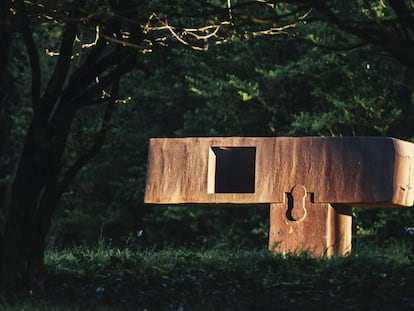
39, 181
34, 196
5, 43
16, 256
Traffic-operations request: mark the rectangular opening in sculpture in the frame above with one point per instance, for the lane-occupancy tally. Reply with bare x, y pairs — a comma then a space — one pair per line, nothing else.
232, 170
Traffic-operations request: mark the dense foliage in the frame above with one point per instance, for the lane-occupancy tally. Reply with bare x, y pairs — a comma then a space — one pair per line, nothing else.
261, 88
316, 73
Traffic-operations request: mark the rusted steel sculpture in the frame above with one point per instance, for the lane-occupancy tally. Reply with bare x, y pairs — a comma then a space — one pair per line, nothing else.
311, 183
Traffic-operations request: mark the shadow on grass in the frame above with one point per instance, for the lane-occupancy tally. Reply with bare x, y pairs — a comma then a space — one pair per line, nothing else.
374, 277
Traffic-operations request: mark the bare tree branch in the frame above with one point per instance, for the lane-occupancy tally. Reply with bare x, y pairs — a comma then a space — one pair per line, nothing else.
59, 74
97, 144
33, 54
96, 91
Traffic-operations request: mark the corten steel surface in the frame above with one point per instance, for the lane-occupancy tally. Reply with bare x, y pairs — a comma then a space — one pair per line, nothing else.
309, 182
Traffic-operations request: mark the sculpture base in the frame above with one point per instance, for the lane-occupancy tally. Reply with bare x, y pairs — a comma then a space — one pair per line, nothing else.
324, 231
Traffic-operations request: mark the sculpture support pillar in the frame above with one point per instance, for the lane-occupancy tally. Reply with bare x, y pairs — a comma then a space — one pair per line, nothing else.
301, 225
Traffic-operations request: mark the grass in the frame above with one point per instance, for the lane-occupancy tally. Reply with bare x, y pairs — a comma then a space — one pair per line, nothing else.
374, 277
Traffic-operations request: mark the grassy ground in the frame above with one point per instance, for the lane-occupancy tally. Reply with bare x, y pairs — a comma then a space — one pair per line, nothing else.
374, 277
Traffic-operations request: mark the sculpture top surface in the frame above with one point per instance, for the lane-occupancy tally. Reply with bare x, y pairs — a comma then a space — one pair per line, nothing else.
253, 170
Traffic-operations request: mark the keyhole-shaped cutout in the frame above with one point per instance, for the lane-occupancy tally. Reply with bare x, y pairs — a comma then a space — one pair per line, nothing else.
296, 203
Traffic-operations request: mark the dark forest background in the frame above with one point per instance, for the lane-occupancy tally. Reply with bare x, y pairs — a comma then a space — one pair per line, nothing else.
315, 78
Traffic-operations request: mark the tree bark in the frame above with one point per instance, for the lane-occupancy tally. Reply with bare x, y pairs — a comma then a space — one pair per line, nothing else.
5, 43
21, 255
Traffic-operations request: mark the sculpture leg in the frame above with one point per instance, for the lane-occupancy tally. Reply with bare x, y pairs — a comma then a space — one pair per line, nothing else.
323, 231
